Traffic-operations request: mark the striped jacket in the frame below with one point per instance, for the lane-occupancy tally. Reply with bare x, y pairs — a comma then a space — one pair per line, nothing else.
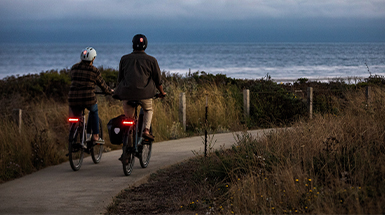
84, 78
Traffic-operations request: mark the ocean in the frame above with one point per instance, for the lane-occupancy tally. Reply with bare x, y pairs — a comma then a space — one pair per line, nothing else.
280, 61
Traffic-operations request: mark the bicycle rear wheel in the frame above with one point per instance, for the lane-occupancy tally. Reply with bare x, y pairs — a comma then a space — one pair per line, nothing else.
145, 152
97, 149
75, 150
128, 156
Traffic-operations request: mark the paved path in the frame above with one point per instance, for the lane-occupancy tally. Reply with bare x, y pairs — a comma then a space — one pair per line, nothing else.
59, 190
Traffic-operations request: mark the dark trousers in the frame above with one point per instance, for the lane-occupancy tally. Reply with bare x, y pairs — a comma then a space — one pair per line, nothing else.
93, 117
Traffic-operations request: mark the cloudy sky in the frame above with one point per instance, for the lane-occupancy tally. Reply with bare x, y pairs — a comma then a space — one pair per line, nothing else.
192, 20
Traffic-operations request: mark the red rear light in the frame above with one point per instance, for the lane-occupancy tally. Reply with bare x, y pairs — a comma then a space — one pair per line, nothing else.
73, 119
128, 122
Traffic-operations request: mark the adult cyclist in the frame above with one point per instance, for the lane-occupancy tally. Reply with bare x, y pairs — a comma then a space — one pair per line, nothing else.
139, 77
84, 78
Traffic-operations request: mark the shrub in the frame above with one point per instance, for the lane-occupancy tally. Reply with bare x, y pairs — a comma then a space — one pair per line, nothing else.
331, 164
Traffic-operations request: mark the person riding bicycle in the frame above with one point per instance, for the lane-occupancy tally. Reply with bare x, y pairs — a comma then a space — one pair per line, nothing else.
139, 77
84, 78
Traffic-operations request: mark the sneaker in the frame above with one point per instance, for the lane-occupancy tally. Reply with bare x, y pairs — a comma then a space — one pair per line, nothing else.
148, 136
100, 141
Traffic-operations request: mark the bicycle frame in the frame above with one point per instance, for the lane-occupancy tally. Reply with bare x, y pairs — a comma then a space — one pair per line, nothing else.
134, 122
141, 147
77, 146
137, 137
81, 119
133, 144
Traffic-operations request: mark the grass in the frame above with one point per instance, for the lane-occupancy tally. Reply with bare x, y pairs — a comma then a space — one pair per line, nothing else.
44, 137
39, 145
332, 164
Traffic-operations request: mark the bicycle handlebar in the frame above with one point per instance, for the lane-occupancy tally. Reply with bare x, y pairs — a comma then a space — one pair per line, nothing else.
158, 95
100, 93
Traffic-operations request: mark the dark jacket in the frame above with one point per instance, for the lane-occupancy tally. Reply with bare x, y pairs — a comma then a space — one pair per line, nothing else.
84, 78
139, 75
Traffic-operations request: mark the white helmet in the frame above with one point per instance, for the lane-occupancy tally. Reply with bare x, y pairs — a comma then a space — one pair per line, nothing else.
88, 54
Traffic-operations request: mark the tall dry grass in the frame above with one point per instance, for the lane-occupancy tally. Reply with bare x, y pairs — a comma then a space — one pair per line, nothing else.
40, 143
331, 164
44, 137
223, 111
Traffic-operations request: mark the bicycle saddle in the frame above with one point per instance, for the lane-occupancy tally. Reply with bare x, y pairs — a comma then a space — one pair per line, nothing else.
134, 103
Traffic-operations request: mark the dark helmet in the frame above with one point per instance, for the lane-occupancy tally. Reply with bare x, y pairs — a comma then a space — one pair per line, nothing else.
139, 42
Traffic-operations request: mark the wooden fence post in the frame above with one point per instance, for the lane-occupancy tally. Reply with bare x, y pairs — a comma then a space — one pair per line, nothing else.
367, 95
246, 103
310, 101
182, 110
206, 121
17, 116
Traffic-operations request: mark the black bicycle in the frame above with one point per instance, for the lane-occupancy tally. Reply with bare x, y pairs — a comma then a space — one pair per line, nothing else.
134, 145
78, 141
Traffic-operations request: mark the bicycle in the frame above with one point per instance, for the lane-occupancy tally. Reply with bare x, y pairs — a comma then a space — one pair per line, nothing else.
134, 145
78, 139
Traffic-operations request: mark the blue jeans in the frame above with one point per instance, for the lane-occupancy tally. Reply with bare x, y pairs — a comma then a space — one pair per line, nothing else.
93, 117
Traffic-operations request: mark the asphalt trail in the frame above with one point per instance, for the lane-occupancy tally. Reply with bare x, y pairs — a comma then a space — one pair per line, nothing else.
59, 190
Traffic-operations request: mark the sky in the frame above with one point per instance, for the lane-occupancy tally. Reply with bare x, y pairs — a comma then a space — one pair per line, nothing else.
210, 21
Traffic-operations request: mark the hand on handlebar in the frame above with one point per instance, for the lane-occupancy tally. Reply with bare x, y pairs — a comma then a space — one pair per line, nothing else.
160, 95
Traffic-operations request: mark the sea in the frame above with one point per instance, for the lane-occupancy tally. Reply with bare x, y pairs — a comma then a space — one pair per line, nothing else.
279, 61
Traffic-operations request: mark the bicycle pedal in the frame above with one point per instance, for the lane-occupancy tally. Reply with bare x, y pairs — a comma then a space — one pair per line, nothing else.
88, 138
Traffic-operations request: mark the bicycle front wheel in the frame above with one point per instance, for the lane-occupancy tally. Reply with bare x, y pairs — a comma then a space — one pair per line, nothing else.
97, 149
128, 156
75, 150
145, 152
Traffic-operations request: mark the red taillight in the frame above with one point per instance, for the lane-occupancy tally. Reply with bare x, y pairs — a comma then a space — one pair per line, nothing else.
73, 120
128, 122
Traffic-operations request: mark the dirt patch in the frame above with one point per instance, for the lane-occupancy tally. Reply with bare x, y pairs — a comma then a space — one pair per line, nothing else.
168, 191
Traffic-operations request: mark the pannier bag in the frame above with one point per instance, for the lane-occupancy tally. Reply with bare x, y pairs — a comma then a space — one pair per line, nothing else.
116, 130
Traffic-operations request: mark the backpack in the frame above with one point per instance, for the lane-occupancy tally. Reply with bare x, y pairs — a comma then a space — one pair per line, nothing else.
116, 130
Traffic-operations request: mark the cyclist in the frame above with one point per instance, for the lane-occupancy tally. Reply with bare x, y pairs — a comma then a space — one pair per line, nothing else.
84, 77
139, 77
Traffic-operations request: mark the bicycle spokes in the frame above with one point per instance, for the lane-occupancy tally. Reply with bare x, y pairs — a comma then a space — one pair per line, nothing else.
75, 150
